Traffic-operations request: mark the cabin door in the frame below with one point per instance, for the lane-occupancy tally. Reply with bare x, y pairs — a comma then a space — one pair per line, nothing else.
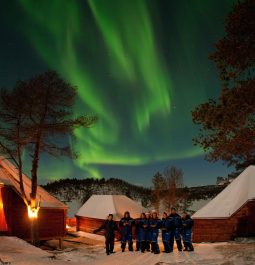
251, 226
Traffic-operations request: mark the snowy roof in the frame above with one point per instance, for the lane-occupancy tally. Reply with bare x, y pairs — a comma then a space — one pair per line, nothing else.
99, 206
9, 176
232, 198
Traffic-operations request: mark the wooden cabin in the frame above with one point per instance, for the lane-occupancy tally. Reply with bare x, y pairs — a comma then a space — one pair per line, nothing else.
230, 214
14, 220
96, 209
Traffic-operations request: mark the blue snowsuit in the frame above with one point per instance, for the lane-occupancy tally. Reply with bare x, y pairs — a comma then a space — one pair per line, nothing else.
175, 231
187, 225
155, 224
138, 233
145, 234
126, 225
165, 227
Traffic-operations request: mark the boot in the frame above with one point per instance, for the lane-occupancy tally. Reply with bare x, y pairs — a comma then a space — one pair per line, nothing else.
171, 245
123, 246
143, 246
107, 247
111, 247
148, 247
185, 246
138, 246
152, 247
166, 246
179, 244
156, 251
130, 246
191, 248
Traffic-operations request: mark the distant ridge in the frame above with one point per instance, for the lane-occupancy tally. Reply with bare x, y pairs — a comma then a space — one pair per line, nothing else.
81, 189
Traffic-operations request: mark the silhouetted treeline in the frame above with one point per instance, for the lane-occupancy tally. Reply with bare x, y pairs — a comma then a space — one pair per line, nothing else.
82, 189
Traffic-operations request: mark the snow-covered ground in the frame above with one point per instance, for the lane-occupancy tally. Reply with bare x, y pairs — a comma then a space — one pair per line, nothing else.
16, 251
89, 249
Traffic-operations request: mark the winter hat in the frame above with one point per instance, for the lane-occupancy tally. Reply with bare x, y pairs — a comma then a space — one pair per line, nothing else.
127, 212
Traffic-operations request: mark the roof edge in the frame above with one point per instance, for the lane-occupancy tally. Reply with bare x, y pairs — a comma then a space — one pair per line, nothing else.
227, 216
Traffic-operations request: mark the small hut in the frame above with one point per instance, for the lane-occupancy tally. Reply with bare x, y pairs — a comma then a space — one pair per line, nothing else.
14, 220
230, 214
95, 210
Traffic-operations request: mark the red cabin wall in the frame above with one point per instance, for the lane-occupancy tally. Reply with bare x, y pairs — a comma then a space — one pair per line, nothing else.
71, 221
51, 222
3, 224
88, 225
242, 223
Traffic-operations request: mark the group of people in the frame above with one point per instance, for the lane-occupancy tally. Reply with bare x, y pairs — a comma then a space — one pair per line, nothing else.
147, 227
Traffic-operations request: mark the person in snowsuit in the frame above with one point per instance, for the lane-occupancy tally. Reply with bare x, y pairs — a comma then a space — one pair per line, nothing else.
165, 227
176, 229
138, 229
109, 227
126, 224
187, 224
155, 224
145, 233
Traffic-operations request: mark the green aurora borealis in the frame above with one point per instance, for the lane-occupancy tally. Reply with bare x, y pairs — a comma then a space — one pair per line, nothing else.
139, 65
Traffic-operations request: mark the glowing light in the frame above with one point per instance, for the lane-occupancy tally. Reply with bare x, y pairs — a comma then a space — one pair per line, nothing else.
32, 212
1, 200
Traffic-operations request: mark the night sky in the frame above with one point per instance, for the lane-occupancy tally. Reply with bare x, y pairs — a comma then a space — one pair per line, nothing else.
140, 66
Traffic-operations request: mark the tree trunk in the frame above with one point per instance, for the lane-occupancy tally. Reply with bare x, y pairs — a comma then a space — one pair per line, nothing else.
35, 168
20, 169
33, 238
33, 203
34, 231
